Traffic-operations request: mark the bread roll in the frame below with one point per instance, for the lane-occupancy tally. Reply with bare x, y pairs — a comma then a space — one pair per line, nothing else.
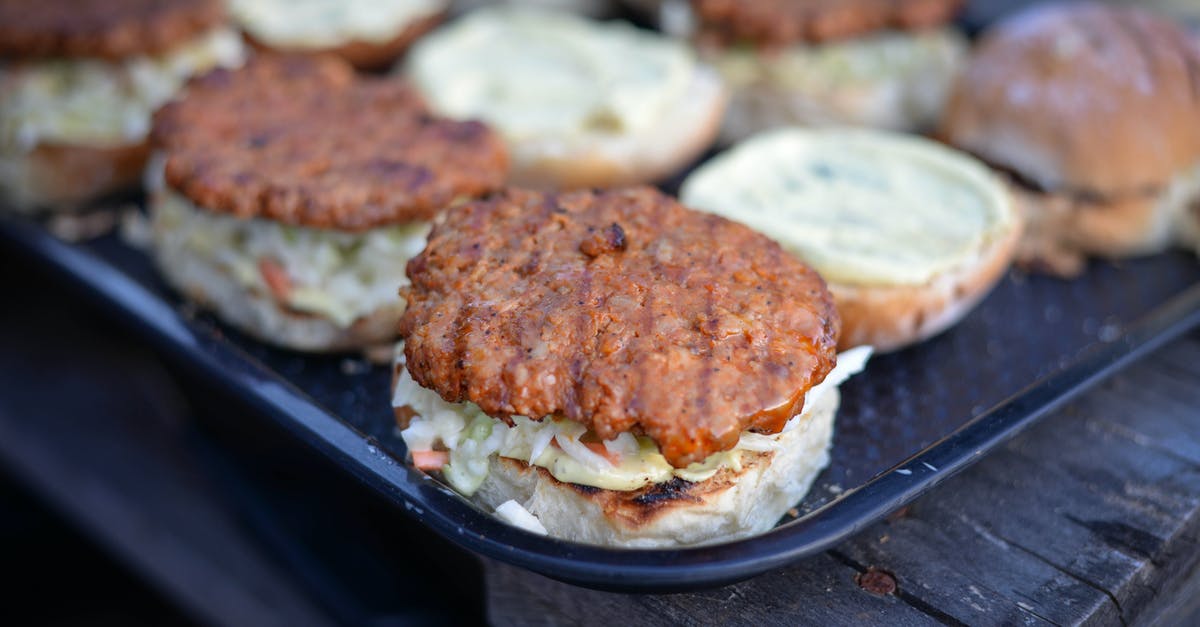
1092, 111
580, 103
909, 235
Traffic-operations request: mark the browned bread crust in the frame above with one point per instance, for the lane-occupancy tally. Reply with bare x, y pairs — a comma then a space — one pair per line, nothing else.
305, 141
65, 177
1082, 98
366, 55
109, 29
889, 317
621, 310
662, 152
778, 23
1062, 230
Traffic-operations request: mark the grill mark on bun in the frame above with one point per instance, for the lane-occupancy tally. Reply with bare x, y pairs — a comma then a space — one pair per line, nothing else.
676, 489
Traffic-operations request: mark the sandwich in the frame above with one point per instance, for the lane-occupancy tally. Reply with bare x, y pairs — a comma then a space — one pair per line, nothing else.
875, 63
369, 34
909, 234
614, 368
288, 195
79, 80
580, 103
1091, 112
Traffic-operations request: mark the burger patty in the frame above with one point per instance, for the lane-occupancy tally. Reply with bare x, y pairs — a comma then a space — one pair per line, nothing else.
778, 23
109, 29
305, 141
621, 310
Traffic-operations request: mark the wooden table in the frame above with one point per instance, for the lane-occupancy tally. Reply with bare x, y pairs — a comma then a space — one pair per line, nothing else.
1092, 516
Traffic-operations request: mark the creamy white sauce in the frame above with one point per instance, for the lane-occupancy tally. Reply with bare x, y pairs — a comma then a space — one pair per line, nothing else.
328, 23
555, 444
862, 207
100, 103
535, 74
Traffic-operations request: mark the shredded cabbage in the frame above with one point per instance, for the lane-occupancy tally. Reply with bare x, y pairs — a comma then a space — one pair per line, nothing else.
97, 102
463, 429
338, 275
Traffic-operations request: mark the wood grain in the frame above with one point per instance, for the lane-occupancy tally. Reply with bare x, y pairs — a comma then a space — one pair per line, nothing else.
1090, 517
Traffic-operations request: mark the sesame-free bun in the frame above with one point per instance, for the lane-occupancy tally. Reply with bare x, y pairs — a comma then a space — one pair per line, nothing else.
895, 316
66, 177
908, 234
731, 504
363, 54
1082, 97
1093, 112
580, 103
619, 160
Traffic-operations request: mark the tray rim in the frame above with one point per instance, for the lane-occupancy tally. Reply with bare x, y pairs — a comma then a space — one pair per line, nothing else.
197, 347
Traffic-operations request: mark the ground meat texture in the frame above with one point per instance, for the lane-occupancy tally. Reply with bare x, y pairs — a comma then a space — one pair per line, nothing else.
306, 141
108, 29
621, 310
777, 23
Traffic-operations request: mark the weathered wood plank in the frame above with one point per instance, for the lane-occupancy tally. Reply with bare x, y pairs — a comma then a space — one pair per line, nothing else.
822, 591
1091, 517
968, 573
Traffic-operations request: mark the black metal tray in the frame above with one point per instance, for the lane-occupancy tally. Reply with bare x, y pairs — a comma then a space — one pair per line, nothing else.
910, 421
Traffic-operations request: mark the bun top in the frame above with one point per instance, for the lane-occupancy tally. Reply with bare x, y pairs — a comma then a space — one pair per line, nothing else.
1082, 98
863, 207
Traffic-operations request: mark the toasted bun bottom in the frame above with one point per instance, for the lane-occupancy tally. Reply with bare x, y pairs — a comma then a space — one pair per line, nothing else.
729, 505
890, 317
262, 317
365, 55
1062, 231
65, 177
617, 160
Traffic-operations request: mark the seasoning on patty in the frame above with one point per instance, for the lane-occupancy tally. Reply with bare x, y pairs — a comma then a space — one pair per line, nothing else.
79, 80
109, 29
622, 311
785, 22
295, 191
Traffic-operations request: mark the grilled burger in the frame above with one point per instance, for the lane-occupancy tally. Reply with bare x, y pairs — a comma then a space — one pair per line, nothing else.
79, 80
627, 370
290, 194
